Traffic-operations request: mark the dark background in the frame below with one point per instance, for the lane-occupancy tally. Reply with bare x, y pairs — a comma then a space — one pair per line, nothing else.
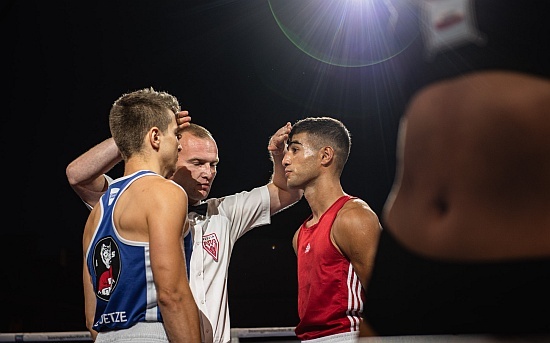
231, 66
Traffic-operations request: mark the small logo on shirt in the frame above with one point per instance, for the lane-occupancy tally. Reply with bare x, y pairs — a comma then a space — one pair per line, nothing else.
308, 247
106, 267
211, 244
112, 195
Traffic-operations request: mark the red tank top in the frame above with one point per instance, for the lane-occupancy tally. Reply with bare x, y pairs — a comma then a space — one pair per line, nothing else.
330, 295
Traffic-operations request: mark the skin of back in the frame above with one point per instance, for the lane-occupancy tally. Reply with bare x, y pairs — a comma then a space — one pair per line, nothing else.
472, 172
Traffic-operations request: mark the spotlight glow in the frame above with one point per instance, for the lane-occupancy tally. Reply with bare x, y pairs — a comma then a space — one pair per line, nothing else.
349, 33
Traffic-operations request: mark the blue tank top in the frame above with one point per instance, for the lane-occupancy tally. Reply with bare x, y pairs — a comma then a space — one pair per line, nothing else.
120, 269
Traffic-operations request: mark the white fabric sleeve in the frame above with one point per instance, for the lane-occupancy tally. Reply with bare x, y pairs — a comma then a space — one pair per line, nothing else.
245, 210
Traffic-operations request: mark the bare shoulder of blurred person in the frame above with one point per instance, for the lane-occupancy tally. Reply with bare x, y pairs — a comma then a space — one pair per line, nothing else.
474, 178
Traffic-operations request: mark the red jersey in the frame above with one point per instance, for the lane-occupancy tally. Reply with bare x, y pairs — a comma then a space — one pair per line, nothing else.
330, 295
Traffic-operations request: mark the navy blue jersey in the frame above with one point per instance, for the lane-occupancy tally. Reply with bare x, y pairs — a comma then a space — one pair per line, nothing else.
120, 269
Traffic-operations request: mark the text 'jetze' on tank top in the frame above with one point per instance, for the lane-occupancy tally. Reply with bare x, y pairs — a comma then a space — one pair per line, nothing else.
120, 269
330, 295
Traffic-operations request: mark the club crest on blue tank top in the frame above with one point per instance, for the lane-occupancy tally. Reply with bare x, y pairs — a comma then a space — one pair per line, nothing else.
106, 266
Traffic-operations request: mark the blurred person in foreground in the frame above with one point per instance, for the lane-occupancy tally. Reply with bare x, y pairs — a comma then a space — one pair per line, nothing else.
466, 244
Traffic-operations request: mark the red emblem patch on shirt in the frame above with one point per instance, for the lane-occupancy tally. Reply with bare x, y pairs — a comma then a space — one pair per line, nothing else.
211, 244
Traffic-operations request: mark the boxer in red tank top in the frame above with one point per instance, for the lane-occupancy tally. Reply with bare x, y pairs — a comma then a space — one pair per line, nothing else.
335, 246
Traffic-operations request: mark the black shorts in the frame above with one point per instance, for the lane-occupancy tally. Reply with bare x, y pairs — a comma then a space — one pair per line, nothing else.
412, 295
